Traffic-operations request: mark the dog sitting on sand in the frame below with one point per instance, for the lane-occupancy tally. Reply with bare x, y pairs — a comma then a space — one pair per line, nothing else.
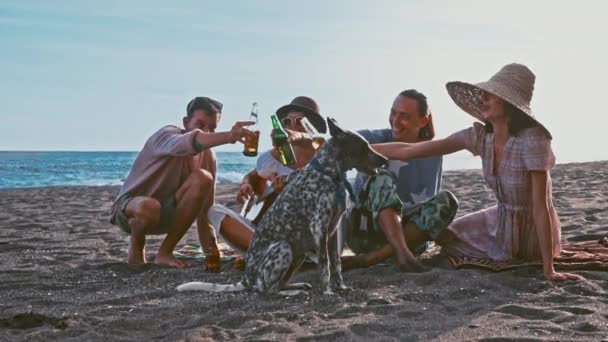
302, 221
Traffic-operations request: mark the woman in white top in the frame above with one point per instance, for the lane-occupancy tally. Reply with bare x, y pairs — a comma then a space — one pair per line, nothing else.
236, 230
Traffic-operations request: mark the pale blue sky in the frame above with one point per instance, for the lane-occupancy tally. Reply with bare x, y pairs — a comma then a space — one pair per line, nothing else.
104, 75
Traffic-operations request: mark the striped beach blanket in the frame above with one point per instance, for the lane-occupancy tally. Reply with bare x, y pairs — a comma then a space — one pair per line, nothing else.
189, 252
590, 256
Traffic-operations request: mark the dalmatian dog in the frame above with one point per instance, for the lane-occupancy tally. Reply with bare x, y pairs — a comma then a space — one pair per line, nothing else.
301, 224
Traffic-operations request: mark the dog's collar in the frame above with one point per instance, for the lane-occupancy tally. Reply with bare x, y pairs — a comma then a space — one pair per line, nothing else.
339, 179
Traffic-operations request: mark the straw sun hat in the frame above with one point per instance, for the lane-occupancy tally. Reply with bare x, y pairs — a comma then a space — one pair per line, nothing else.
514, 83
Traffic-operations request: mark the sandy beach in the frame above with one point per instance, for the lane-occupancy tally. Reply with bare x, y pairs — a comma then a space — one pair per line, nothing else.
63, 276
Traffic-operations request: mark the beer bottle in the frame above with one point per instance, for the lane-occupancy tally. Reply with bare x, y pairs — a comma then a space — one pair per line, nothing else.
250, 148
279, 137
317, 138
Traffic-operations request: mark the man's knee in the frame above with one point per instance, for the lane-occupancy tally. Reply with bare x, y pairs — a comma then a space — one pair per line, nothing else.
434, 215
383, 179
216, 215
202, 180
382, 192
145, 211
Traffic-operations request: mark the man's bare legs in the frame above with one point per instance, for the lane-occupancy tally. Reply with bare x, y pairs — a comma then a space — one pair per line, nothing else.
390, 222
142, 212
399, 238
206, 234
413, 236
190, 198
144, 216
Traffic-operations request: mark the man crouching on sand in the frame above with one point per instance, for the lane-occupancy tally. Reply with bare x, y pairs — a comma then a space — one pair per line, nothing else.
172, 183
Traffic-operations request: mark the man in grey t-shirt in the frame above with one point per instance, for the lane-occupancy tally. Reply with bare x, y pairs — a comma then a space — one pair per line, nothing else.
172, 183
402, 208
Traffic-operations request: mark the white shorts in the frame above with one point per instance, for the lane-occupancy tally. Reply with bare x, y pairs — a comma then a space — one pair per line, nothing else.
216, 215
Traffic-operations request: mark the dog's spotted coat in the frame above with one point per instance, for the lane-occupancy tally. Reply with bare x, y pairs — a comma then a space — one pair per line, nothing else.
302, 221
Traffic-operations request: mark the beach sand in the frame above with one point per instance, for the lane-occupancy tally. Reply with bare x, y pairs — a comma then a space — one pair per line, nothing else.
63, 276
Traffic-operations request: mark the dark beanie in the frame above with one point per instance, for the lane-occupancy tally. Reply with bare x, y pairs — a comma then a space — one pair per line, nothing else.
205, 103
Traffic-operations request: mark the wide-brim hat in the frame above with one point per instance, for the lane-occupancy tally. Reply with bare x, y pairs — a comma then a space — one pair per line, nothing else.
513, 83
309, 107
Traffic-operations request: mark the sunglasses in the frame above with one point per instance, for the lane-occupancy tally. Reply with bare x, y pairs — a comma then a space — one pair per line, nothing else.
292, 121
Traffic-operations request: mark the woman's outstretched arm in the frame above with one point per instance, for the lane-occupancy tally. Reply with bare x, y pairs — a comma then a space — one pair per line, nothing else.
405, 151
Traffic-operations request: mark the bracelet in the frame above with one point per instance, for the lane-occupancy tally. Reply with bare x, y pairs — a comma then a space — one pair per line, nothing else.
231, 139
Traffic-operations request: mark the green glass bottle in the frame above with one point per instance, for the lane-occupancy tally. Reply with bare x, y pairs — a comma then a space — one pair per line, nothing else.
279, 136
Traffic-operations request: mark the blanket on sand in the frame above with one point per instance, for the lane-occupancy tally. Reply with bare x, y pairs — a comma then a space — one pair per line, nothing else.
589, 256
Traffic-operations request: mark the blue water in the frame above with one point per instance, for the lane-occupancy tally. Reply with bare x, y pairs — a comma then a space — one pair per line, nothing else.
36, 169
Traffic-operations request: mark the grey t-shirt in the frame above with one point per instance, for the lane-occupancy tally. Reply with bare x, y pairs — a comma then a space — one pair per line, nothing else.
417, 179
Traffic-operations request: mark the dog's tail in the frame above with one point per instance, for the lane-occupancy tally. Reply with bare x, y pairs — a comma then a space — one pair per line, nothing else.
211, 287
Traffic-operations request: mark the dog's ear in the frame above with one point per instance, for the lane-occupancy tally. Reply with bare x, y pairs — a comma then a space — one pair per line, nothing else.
334, 129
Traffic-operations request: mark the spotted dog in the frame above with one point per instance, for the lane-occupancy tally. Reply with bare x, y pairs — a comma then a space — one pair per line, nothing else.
302, 221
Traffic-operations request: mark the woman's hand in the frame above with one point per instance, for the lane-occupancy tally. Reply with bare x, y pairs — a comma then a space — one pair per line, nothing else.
245, 192
559, 276
278, 182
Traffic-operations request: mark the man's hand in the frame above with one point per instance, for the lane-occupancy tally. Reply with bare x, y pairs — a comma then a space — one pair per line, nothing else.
240, 133
278, 182
298, 137
245, 193
294, 137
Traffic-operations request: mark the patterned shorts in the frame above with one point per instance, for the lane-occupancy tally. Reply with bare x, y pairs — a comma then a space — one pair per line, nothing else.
168, 211
363, 233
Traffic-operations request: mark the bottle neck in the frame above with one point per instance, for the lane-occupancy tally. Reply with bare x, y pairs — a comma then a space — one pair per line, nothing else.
253, 118
276, 125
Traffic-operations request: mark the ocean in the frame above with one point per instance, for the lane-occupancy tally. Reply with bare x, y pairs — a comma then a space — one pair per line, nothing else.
39, 169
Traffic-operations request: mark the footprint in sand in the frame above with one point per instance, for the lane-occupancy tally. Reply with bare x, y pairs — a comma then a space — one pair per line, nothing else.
585, 327
367, 329
592, 211
588, 236
585, 289
339, 335
575, 310
530, 313
31, 320
509, 339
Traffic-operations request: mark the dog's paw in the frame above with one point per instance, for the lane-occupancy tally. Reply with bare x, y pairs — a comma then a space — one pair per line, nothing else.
342, 288
328, 292
298, 286
291, 293
302, 286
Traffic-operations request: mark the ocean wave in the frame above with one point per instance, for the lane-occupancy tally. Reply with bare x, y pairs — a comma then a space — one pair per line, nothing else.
230, 177
39, 169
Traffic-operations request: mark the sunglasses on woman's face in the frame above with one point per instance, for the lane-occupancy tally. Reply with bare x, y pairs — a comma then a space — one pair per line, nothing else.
292, 121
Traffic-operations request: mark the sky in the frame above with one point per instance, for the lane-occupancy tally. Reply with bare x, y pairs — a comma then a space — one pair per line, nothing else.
104, 75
